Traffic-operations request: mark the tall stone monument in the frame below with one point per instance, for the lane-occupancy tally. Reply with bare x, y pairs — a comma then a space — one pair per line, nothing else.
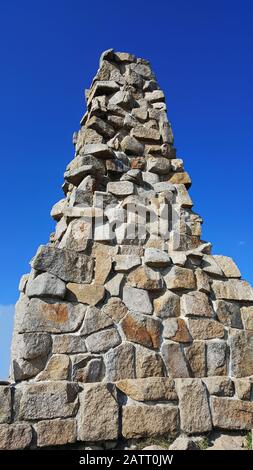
127, 326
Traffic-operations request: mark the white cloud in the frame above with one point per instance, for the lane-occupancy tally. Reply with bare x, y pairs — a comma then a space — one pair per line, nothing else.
241, 243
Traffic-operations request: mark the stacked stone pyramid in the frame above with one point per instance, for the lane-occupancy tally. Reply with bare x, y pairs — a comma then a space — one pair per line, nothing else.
127, 326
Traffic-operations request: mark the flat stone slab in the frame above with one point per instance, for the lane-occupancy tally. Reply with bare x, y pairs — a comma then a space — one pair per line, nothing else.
56, 432
47, 400
98, 416
52, 317
151, 388
193, 404
15, 436
137, 300
66, 264
233, 289
228, 413
138, 420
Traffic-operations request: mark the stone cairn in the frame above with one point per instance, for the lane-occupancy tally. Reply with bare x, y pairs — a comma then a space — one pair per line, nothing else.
127, 326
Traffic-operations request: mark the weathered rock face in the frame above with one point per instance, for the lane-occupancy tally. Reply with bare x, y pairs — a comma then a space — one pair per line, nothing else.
231, 414
47, 400
5, 404
127, 325
98, 414
150, 389
15, 436
66, 264
195, 414
241, 353
138, 420
50, 316
56, 432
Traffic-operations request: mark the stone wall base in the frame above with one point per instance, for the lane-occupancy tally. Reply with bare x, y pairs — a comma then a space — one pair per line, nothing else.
104, 415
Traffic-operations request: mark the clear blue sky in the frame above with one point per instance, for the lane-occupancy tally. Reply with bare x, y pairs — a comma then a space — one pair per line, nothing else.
201, 52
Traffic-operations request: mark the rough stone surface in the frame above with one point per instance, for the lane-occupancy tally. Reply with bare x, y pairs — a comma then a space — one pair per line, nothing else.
57, 368
210, 266
154, 447
66, 264
176, 330
148, 363
183, 443
220, 386
229, 313
137, 300
115, 309
164, 187
243, 388
160, 166
193, 404
33, 345
15, 436
90, 294
203, 281
156, 258
98, 150
103, 267
142, 329
98, 400
121, 188
138, 421
126, 262
196, 357
46, 285
101, 127
247, 318
53, 317
131, 146
174, 360
5, 404
145, 134
120, 362
55, 432
178, 258
227, 265
233, 289
205, 329
69, 344
216, 358
103, 340
22, 369
168, 305
228, 413
77, 235
149, 389
87, 368
23, 283
230, 441
113, 286
241, 344
180, 278
47, 400
181, 178
183, 197
57, 209
197, 304
146, 278
95, 320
